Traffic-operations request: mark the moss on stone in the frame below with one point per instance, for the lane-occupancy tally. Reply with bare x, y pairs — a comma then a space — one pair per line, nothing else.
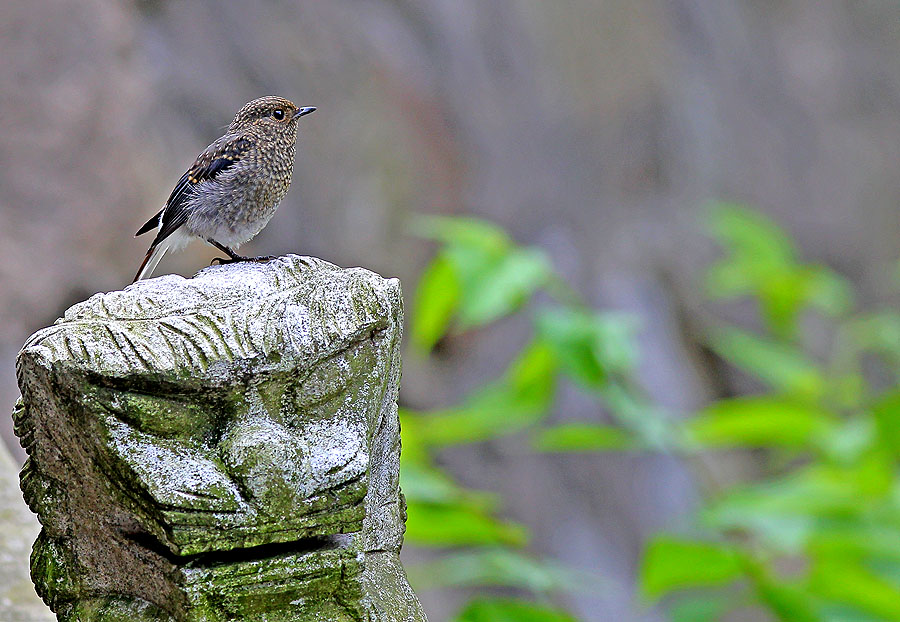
197, 446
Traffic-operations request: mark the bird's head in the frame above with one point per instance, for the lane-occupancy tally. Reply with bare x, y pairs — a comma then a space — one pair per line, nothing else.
274, 112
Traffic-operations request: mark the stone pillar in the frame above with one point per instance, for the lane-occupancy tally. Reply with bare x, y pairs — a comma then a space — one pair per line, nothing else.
220, 448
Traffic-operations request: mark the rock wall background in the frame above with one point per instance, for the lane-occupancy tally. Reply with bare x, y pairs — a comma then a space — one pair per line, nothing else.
595, 129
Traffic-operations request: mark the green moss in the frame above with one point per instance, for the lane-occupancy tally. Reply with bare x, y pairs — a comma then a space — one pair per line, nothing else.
161, 416
112, 609
290, 588
54, 571
196, 459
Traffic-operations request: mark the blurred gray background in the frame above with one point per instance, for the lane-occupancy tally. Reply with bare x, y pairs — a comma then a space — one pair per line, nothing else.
593, 128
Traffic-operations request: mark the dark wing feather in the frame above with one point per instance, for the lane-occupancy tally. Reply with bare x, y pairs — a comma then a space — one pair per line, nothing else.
151, 224
218, 157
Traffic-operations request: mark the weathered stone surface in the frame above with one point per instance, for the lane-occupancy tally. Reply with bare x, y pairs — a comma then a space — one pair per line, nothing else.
220, 448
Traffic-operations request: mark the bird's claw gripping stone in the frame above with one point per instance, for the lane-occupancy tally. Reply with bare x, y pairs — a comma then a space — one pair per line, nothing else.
221, 261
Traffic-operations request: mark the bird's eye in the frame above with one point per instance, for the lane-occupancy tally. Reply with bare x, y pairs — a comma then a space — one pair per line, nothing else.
278, 113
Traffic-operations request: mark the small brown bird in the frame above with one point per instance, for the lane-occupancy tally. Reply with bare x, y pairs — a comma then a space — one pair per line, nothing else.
234, 187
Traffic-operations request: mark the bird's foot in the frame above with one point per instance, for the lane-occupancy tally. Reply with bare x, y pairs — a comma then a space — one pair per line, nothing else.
237, 258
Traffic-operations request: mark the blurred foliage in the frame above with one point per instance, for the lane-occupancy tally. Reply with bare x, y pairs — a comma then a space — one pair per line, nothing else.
508, 610
478, 276
815, 535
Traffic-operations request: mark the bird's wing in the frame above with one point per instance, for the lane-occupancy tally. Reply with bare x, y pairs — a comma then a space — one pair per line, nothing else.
150, 224
218, 157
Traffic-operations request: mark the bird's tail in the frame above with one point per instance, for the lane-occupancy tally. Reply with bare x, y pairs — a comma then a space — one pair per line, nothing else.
151, 260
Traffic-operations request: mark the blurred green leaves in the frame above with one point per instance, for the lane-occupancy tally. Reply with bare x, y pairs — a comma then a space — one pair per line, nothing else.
502, 568
516, 400
590, 346
478, 276
451, 524
760, 262
758, 422
811, 533
583, 437
700, 608
673, 563
854, 585
509, 610
782, 366
831, 512
437, 299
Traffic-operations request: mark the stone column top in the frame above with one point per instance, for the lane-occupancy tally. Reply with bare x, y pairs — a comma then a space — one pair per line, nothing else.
301, 309
220, 447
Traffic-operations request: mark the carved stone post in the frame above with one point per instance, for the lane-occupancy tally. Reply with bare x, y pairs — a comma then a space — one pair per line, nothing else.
220, 448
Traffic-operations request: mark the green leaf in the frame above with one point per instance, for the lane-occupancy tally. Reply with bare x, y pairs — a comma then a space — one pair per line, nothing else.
583, 437
750, 235
494, 275
759, 422
497, 288
761, 262
829, 292
428, 484
836, 612
785, 293
790, 512
433, 524
788, 601
672, 564
782, 295
500, 568
781, 366
726, 280
413, 429
520, 399
510, 610
437, 298
493, 412
844, 581
633, 410
532, 376
705, 608
848, 440
471, 233
589, 345
856, 538
887, 420
872, 476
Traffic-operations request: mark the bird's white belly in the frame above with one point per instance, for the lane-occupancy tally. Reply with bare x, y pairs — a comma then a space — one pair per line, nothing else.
227, 219
235, 236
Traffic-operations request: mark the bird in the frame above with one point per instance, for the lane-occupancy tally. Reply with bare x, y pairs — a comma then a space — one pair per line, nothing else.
234, 187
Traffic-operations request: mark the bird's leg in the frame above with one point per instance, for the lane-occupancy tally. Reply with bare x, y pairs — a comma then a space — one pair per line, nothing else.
234, 257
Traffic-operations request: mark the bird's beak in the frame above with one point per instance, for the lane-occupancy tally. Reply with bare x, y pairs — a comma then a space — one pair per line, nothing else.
304, 111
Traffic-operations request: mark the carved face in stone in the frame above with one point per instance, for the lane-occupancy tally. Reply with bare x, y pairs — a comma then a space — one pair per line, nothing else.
239, 409
279, 456
271, 436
